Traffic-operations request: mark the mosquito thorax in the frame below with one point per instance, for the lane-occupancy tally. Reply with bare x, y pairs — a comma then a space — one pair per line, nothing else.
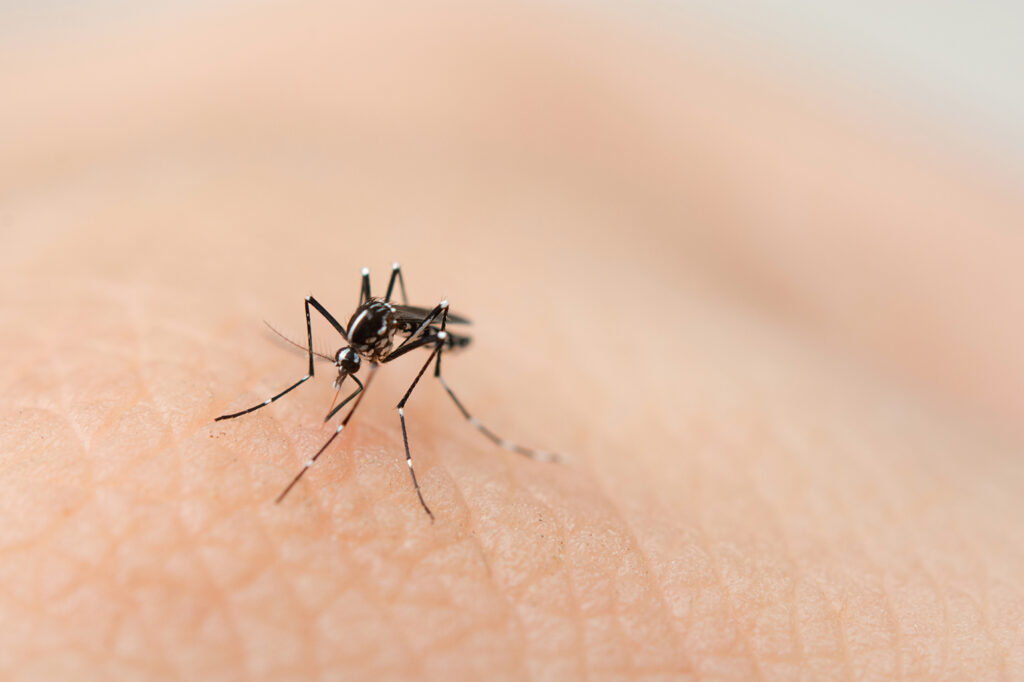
347, 360
372, 328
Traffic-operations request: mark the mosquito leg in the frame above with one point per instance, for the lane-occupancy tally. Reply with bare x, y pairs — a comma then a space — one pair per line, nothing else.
359, 398
540, 455
437, 341
327, 316
409, 347
442, 339
451, 342
416, 338
405, 432
344, 422
364, 291
309, 349
396, 273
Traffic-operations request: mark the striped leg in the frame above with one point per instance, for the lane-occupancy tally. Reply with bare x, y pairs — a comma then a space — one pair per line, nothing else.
539, 455
310, 301
396, 273
423, 334
364, 289
358, 395
452, 342
438, 342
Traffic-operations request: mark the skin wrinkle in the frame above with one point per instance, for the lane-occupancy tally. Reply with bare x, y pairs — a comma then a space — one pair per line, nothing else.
899, 625
839, 616
940, 596
71, 588
478, 544
771, 510
796, 581
587, 620
574, 601
410, 574
219, 601
309, 653
573, 598
296, 602
492, 576
645, 562
217, 594
563, 569
165, 652
793, 582
284, 597
794, 573
986, 610
871, 565
50, 528
984, 605
462, 633
222, 603
718, 580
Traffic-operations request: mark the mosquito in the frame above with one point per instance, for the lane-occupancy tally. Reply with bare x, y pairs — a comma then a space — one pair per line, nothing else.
371, 336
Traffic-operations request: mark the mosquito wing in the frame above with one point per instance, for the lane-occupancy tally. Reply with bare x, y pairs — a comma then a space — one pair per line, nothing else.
410, 315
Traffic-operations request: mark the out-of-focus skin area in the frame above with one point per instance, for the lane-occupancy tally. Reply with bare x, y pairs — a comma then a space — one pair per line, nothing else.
779, 348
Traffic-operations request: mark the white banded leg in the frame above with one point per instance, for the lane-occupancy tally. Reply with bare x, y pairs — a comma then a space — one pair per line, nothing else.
309, 463
539, 455
310, 301
358, 395
438, 342
364, 288
408, 461
396, 273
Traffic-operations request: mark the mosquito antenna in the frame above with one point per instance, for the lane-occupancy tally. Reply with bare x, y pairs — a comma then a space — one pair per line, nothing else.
284, 338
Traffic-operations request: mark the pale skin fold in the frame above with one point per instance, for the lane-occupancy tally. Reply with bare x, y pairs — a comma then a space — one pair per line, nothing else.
779, 349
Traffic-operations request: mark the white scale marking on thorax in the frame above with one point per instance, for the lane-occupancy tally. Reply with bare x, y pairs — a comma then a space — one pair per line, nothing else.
351, 330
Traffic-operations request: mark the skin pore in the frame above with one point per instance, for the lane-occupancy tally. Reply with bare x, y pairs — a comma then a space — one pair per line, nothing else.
779, 354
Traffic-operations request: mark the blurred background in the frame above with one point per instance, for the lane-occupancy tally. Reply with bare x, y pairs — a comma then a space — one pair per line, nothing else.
850, 170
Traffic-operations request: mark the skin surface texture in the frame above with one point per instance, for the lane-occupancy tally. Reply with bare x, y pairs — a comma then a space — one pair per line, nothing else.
779, 351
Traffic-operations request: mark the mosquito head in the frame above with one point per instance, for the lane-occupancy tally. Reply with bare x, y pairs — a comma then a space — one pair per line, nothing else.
347, 360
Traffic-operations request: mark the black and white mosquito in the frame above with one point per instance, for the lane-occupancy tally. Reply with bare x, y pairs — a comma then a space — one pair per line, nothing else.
371, 336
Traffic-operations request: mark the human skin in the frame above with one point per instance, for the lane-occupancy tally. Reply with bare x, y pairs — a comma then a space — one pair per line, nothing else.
791, 436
